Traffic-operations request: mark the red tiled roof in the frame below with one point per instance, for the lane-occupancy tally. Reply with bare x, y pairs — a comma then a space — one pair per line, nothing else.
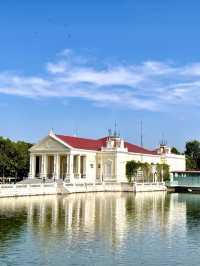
138, 149
82, 143
95, 145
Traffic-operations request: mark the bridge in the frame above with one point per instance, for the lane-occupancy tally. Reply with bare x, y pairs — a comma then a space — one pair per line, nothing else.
184, 181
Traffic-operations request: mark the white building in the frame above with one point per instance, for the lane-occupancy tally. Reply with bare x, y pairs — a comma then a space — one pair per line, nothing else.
75, 159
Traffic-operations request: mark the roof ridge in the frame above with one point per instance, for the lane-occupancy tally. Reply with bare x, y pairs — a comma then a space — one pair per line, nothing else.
69, 136
97, 144
139, 146
104, 138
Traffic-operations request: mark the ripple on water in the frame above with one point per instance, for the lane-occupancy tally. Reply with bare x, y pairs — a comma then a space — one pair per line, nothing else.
101, 229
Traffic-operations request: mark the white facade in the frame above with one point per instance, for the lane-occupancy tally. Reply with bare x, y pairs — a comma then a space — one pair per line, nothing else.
54, 158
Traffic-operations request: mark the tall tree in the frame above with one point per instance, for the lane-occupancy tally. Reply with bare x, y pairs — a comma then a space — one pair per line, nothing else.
192, 153
174, 150
14, 158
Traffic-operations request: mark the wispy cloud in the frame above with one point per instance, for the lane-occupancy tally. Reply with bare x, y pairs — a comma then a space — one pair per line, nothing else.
150, 85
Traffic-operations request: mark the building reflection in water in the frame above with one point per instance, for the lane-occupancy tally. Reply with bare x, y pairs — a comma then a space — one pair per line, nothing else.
107, 216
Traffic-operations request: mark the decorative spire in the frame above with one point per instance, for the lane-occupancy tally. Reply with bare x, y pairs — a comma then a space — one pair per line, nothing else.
141, 133
109, 132
51, 132
163, 141
115, 130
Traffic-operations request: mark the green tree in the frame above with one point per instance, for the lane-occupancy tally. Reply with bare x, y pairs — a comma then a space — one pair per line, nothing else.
162, 171
14, 158
131, 170
132, 167
192, 153
174, 150
22, 159
190, 163
147, 171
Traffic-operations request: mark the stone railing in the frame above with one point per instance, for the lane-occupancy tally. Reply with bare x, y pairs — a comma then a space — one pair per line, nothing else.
13, 190
151, 186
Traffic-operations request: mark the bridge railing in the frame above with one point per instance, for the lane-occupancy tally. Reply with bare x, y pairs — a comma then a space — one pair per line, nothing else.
187, 181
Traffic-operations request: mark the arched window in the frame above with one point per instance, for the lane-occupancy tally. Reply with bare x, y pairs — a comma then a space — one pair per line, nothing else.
108, 169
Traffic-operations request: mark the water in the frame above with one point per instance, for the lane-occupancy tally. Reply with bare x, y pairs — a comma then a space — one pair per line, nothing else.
101, 229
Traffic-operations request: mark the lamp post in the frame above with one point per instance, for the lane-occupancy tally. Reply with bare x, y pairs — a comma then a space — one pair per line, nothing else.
153, 171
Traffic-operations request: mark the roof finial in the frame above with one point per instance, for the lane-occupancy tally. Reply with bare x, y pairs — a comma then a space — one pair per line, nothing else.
119, 134
141, 133
75, 132
115, 130
163, 141
51, 132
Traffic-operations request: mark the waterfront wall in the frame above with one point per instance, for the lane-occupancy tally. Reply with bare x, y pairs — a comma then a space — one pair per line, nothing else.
16, 190
105, 187
115, 187
145, 187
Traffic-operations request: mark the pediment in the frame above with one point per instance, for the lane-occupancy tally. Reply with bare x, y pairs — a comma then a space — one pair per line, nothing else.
49, 145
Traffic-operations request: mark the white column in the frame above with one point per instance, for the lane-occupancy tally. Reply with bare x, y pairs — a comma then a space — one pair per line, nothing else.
68, 164
68, 167
101, 169
32, 166
44, 164
42, 167
84, 165
57, 169
54, 167
78, 165
71, 166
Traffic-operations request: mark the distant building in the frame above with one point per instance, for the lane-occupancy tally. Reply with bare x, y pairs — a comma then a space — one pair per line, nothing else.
77, 159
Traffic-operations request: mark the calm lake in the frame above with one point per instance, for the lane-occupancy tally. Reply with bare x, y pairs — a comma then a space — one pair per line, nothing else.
154, 228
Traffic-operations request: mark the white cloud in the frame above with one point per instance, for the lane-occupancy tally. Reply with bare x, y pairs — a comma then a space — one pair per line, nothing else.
65, 52
118, 76
150, 85
191, 70
60, 67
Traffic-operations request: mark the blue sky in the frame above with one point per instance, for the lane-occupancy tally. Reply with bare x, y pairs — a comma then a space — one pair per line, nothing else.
77, 66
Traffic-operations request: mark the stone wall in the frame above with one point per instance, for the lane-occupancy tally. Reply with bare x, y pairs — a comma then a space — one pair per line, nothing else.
144, 187
15, 190
113, 187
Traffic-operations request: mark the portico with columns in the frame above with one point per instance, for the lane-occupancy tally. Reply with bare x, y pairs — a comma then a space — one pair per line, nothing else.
57, 166
50, 159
